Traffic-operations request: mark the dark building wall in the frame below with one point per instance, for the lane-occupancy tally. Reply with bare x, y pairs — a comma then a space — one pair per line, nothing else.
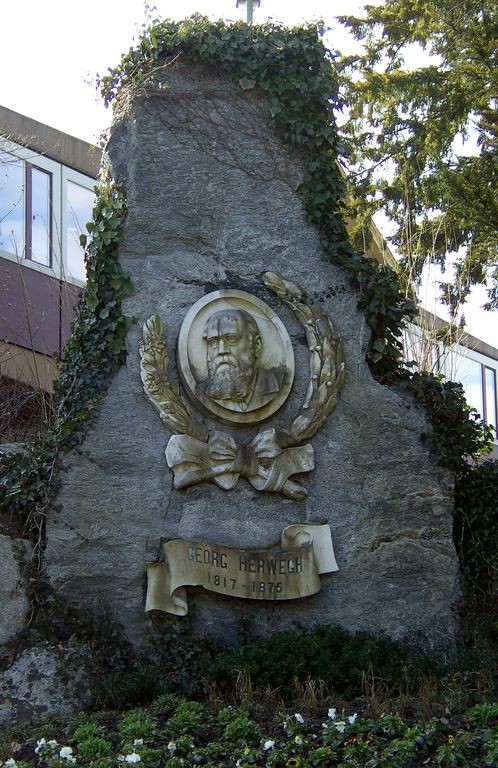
35, 309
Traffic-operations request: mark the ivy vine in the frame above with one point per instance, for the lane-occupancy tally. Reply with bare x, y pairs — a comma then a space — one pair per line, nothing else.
458, 433
458, 439
97, 346
296, 72
94, 352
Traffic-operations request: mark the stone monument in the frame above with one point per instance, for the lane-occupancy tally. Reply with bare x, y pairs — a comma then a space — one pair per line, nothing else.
245, 461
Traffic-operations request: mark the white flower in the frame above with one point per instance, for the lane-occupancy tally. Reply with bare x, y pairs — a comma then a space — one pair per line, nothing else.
52, 744
10, 763
299, 718
66, 754
172, 747
138, 743
298, 739
352, 718
133, 758
332, 713
238, 763
268, 745
340, 725
39, 745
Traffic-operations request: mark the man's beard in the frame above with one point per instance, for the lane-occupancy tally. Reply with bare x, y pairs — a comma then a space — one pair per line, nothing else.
229, 379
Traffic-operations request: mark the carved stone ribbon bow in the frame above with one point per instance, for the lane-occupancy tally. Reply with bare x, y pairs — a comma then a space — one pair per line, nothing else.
263, 462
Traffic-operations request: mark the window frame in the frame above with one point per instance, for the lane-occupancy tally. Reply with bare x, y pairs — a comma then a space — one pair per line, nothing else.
60, 175
487, 367
32, 159
28, 213
70, 175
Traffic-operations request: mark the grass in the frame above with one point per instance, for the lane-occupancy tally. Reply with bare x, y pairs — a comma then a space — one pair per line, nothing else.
303, 668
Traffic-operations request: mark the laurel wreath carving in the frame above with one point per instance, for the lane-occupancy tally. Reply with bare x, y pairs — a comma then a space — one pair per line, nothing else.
174, 410
326, 369
326, 361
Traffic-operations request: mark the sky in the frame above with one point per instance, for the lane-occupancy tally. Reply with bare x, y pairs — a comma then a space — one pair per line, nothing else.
52, 50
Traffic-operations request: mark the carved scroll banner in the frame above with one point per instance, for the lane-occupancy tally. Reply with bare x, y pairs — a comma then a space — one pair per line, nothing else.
287, 571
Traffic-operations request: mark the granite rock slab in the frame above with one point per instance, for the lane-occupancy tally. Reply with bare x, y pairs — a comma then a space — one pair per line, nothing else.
46, 680
213, 202
14, 553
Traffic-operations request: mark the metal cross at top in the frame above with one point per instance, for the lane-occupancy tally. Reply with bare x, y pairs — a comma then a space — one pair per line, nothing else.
250, 5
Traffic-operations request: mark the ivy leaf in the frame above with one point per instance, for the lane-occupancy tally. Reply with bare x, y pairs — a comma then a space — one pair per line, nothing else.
246, 83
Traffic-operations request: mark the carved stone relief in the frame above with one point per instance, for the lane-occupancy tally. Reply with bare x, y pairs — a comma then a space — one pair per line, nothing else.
235, 357
236, 364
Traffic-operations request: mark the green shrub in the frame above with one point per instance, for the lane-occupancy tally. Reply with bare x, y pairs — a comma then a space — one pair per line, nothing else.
239, 728
137, 724
123, 689
324, 653
484, 715
476, 524
187, 717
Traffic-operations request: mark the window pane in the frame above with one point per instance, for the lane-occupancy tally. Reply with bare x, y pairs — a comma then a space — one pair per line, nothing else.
80, 202
40, 216
469, 373
11, 204
490, 395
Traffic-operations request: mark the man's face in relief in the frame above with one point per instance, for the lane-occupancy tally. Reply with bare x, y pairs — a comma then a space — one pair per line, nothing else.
233, 345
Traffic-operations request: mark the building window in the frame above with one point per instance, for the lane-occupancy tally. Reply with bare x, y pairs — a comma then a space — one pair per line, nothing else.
477, 374
490, 400
79, 206
11, 204
469, 373
44, 208
38, 218
25, 210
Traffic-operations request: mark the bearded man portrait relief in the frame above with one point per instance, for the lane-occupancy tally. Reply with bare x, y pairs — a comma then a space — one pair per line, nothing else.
233, 346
